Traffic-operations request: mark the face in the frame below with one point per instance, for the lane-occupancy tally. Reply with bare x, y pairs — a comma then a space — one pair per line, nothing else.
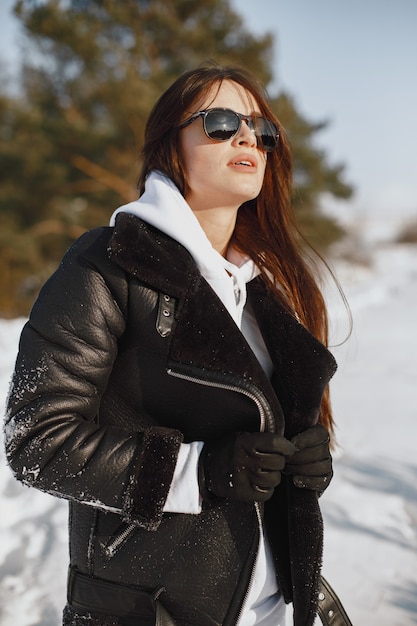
222, 174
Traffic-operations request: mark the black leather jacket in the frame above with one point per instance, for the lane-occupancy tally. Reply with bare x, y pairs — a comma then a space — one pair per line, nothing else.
127, 353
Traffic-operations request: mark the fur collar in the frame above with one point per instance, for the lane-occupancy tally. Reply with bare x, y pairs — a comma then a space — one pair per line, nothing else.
153, 257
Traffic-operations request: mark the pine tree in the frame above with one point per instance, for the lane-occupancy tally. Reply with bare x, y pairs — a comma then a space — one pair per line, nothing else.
69, 143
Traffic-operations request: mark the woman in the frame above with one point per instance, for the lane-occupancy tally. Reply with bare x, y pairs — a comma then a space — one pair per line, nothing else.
172, 381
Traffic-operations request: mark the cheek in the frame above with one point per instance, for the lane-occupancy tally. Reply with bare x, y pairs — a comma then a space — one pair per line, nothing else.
201, 165
261, 172
265, 166
192, 169
193, 161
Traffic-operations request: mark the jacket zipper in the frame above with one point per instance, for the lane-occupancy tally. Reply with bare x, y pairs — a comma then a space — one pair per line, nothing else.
267, 422
245, 388
252, 574
118, 540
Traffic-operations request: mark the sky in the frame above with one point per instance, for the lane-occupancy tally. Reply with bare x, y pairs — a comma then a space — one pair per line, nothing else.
352, 63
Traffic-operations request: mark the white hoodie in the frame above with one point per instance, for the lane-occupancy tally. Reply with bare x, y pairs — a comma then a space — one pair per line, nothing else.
163, 206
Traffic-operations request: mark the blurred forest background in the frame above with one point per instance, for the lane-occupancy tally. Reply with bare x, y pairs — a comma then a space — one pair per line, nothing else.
70, 134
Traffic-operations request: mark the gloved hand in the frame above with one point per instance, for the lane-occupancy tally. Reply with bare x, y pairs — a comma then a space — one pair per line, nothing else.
243, 466
311, 465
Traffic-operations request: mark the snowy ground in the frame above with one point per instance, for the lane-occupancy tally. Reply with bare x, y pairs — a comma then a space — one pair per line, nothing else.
370, 509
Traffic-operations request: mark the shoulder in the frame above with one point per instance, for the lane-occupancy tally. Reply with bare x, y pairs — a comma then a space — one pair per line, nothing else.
85, 278
92, 243
90, 255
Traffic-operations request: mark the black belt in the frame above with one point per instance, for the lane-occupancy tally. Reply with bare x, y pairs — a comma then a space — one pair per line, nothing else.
107, 599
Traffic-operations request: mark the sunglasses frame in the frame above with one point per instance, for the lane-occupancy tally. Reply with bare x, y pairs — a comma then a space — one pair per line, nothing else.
249, 119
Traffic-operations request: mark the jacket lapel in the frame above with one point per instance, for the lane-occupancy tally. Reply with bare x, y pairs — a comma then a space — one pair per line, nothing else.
303, 366
153, 257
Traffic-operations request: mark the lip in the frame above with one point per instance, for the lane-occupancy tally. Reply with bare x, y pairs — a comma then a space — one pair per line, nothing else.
238, 162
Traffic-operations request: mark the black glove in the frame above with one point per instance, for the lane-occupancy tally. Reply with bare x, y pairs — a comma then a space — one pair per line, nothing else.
243, 466
311, 465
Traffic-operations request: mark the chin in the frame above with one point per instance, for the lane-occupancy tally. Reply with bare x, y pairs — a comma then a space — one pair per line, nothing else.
250, 195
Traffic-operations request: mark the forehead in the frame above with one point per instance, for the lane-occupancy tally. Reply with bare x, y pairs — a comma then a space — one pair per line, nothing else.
229, 95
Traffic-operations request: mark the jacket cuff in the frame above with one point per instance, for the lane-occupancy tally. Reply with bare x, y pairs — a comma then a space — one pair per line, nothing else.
151, 480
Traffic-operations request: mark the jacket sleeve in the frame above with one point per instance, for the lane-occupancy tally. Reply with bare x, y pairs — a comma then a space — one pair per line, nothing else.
66, 352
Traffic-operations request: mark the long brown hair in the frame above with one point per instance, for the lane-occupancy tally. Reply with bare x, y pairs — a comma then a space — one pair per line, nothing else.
265, 228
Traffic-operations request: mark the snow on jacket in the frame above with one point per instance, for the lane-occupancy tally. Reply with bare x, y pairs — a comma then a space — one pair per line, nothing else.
128, 352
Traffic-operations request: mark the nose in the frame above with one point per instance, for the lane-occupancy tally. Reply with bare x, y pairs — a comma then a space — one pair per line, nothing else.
246, 136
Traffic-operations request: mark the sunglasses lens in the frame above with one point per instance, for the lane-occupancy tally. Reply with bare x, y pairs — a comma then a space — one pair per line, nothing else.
221, 125
266, 133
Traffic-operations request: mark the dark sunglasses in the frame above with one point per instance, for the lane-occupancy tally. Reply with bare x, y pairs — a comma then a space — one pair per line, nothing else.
223, 124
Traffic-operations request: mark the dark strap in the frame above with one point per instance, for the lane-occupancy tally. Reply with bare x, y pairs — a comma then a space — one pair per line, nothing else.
109, 599
330, 608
